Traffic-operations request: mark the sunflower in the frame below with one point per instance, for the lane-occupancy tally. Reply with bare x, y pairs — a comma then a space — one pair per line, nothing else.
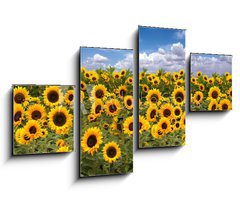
18, 115
44, 133
142, 75
183, 120
116, 75
63, 149
199, 73
122, 91
87, 74
156, 81
177, 126
211, 80
22, 137
164, 125
60, 143
229, 92
97, 107
128, 102
83, 86
36, 112
225, 104
213, 105
83, 70
229, 78
152, 113
179, 82
193, 80
21, 96
111, 152
166, 110
181, 72
60, 120
214, 92
150, 78
177, 111
227, 74
112, 107
154, 96
94, 77
128, 125
179, 96
198, 97
176, 75
52, 96
99, 91
69, 97
205, 78
91, 117
91, 140
156, 133
129, 80
201, 87
145, 88
123, 72
33, 128
143, 124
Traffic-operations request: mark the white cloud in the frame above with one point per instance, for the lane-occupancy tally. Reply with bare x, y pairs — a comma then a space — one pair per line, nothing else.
209, 65
99, 58
172, 59
180, 34
126, 63
97, 61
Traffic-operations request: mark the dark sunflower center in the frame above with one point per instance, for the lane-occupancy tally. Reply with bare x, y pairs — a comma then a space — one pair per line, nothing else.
177, 125
230, 80
99, 93
122, 92
130, 126
198, 97
159, 132
17, 116
154, 98
19, 98
36, 115
91, 141
231, 93
153, 114
94, 78
214, 94
53, 96
177, 112
26, 137
155, 82
59, 119
87, 75
70, 97
33, 130
119, 127
145, 88
111, 152
179, 97
112, 108
116, 76
214, 107
98, 109
164, 125
224, 106
129, 102
140, 125
166, 113
82, 85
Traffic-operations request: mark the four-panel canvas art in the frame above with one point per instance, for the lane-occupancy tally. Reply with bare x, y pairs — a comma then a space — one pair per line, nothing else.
43, 114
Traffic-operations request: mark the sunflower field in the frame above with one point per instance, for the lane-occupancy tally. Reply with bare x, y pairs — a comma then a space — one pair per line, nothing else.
42, 119
106, 122
161, 109
212, 93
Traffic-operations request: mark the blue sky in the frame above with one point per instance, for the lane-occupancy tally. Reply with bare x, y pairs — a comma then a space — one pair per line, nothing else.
161, 48
94, 58
211, 63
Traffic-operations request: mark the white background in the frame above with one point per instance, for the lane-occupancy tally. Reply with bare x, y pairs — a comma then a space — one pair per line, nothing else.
39, 44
